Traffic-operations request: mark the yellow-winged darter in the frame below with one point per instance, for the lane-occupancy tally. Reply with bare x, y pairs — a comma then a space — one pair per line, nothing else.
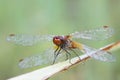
64, 44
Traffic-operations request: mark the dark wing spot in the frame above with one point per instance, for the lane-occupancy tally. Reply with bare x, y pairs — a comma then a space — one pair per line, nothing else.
105, 26
12, 35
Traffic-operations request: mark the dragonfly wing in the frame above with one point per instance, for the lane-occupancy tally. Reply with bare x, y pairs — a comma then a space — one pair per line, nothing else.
37, 60
99, 54
28, 40
95, 34
104, 56
41, 59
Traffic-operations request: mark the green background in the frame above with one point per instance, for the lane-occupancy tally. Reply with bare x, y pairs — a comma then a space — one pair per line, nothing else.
57, 17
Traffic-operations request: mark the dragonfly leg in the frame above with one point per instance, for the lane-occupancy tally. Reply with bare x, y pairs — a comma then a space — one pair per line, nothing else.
67, 53
75, 53
56, 51
66, 56
56, 54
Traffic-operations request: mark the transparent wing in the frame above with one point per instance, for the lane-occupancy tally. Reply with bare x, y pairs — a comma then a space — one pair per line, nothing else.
28, 40
37, 60
99, 54
44, 58
95, 34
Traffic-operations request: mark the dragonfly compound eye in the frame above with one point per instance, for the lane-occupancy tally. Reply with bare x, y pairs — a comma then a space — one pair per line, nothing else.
58, 40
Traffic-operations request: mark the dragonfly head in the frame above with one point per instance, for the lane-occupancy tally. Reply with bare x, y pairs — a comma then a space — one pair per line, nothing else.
58, 40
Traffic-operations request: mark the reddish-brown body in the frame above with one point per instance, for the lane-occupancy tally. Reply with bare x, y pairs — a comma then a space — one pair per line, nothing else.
66, 42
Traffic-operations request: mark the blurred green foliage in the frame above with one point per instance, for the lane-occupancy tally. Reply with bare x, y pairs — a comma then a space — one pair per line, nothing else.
57, 17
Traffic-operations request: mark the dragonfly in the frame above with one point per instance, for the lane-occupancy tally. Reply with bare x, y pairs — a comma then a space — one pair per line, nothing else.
64, 44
